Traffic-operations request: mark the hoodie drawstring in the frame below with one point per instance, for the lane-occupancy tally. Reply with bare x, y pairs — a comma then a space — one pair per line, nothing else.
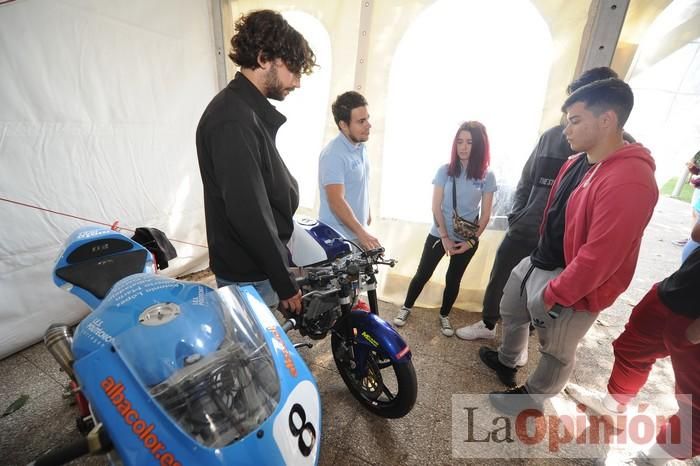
588, 180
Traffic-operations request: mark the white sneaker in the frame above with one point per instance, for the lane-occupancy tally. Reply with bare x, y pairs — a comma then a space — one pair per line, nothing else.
402, 316
476, 331
445, 327
594, 401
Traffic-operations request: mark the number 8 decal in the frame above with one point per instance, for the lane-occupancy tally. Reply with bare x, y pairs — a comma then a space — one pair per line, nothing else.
298, 426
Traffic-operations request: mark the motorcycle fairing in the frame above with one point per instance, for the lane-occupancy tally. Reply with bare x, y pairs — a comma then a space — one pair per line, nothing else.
373, 333
298, 385
168, 339
314, 243
95, 258
145, 433
289, 435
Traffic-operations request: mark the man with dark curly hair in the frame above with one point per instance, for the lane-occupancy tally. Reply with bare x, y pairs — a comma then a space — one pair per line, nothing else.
249, 194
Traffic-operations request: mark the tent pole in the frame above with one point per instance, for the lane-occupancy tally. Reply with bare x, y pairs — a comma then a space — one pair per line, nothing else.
599, 41
220, 10
363, 44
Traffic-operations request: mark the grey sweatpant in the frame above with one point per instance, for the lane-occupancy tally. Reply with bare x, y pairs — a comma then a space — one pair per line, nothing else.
558, 337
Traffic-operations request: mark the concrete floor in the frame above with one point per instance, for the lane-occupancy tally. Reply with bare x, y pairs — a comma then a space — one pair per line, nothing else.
350, 435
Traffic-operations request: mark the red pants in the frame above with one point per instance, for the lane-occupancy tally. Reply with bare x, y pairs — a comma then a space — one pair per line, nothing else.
654, 332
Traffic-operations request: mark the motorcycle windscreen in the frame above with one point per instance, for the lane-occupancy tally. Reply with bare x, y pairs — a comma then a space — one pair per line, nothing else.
216, 377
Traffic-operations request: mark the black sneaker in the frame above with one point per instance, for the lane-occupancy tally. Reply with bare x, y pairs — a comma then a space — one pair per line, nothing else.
505, 374
516, 400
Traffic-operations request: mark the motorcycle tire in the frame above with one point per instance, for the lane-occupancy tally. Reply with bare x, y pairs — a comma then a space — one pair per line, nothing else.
389, 389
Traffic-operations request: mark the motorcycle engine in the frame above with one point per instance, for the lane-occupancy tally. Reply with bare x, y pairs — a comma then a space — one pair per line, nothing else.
320, 314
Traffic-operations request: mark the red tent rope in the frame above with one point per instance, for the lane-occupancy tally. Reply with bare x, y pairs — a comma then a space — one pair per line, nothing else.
113, 226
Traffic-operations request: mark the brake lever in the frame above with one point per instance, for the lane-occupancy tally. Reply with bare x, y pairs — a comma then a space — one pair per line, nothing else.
378, 252
313, 293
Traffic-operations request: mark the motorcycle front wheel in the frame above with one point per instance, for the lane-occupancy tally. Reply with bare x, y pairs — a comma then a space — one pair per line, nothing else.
387, 388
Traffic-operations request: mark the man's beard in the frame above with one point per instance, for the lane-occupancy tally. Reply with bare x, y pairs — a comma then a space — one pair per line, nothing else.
357, 140
273, 87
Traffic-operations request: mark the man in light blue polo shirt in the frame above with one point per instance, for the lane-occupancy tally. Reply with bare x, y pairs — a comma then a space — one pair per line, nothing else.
343, 172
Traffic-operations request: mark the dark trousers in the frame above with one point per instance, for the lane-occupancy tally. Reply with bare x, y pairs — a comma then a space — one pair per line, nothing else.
508, 255
432, 253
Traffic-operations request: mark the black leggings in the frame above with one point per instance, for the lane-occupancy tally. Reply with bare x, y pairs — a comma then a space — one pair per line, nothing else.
432, 253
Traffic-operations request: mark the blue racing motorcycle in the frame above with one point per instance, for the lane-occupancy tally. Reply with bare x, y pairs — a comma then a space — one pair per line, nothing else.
170, 372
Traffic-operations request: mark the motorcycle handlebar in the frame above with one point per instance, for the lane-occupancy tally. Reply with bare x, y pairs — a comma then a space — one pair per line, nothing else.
302, 281
320, 293
351, 266
373, 252
389, 262
288, 325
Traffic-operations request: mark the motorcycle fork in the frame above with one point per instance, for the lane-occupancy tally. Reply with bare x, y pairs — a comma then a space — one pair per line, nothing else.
355, 354
372, 295
344, 330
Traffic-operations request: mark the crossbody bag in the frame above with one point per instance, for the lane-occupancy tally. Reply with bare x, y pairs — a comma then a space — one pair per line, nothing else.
463, 227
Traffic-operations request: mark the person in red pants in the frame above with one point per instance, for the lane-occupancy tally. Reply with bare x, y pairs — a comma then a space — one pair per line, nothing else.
666, 322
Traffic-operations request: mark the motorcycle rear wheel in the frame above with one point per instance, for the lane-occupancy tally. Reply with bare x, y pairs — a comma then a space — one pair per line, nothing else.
388, 389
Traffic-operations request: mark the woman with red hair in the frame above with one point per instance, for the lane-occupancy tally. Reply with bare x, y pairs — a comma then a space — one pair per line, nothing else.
465, 186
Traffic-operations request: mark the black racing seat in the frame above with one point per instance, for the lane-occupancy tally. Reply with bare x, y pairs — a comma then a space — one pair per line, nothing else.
97, 275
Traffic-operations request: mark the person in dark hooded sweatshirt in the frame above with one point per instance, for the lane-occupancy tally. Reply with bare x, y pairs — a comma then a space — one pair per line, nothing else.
598, 208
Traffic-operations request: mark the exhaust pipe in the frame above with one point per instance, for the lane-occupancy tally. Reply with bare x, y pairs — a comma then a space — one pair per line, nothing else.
59, 342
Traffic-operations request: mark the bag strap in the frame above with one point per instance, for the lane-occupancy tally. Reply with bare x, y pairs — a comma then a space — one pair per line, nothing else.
454, 194
454, 199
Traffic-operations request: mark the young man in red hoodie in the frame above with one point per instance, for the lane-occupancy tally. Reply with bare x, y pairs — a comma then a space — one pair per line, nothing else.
600, 203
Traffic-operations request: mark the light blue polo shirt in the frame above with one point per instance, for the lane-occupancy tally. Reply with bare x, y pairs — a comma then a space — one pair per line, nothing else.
469, 192
342, 162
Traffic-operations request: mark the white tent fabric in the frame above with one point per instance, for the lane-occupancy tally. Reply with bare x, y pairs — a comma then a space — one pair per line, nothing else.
100, 101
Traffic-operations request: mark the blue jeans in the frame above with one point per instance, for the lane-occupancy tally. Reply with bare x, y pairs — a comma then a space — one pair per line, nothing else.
263, 287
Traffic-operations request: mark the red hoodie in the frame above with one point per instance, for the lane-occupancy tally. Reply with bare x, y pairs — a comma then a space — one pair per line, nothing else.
605, 217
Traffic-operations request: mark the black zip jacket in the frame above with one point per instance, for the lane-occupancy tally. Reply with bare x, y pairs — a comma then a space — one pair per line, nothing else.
536, 181
249, 194
538, 175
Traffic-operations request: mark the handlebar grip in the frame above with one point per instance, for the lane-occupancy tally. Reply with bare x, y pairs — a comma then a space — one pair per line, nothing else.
288, 325
302, 281
373, 252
